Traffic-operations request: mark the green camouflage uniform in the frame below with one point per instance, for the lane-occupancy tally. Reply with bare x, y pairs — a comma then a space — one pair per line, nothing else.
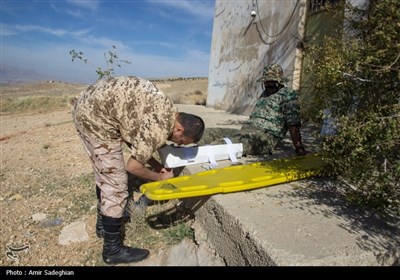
116, 110
269, 121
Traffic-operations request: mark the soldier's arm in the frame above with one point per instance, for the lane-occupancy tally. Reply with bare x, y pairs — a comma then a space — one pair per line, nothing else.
139, 170
296, 139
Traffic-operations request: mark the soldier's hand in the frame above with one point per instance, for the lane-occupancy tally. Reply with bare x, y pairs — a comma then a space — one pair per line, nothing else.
166, 174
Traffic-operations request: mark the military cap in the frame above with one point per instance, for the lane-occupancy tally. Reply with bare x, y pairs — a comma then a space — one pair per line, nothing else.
273, 72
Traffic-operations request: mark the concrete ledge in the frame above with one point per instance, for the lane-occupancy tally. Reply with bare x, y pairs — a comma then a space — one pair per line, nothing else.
303, 223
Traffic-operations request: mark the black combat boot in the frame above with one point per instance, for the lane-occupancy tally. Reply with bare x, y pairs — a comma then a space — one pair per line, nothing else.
114, 251
99, 221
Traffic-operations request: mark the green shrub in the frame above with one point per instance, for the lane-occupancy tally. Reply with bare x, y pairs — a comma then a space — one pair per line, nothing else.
357, 77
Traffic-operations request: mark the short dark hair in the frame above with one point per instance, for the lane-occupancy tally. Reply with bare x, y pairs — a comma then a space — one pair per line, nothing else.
193, 126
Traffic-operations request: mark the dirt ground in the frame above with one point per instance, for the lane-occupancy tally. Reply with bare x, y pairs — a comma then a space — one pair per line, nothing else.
45, 173
42, 164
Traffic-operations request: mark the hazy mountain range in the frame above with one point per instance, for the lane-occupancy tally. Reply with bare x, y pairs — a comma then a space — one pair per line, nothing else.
11, 75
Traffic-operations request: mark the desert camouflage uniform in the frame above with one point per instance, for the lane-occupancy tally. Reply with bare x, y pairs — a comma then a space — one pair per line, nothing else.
116, 110
267, 124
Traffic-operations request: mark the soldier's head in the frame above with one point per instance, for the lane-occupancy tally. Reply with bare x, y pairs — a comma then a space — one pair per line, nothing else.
188, 129
273, 76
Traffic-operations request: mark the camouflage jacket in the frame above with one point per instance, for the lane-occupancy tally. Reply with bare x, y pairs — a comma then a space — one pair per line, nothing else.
276, 112
126, 109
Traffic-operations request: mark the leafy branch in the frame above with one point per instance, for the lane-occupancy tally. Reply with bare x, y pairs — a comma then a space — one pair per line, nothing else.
110, 57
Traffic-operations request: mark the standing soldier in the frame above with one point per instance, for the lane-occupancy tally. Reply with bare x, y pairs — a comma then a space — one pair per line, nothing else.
127, 110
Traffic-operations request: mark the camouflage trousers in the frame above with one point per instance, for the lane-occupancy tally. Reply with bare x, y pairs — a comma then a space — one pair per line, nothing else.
255, 142
110, 174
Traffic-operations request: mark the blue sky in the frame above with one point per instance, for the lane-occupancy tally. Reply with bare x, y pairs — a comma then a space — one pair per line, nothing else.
161, 38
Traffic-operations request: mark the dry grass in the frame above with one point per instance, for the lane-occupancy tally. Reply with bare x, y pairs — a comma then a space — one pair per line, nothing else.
185, 91
158, 225
40, 89
37, 97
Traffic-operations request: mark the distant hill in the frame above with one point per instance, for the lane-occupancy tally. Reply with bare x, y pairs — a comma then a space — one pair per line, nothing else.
14, 75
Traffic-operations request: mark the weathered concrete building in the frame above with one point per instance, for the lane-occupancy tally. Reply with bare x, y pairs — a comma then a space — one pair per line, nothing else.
247, 35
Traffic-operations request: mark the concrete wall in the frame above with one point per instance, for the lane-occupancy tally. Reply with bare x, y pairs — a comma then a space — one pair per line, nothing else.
242, 44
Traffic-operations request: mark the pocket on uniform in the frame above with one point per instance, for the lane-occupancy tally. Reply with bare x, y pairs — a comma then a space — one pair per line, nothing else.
109, 158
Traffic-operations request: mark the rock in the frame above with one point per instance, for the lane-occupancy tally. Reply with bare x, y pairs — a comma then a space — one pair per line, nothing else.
75, 232
183, 254
38, 217
52, 222
17, 196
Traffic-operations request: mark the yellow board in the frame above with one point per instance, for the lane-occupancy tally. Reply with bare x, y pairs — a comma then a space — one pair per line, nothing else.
234, 178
